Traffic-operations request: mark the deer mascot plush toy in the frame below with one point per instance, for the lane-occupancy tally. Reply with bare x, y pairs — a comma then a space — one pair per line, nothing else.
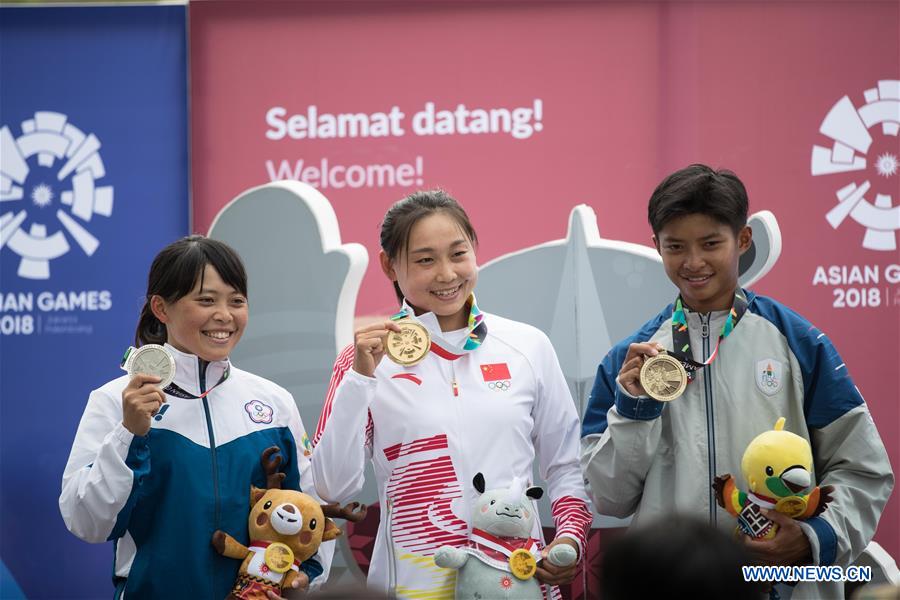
286, 528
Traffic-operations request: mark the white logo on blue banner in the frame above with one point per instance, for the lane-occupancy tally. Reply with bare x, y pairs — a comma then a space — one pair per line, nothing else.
63, 176
849, 128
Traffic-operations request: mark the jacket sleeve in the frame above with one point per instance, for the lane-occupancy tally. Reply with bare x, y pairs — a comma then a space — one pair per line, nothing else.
318, 566
555, 437
104, 473
620, 435
847, 451
344, 434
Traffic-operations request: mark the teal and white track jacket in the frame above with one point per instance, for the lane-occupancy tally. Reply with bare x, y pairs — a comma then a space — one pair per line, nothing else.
160, 497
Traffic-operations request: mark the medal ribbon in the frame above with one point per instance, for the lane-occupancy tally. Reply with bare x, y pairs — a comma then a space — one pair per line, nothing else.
499, 548
477, 332
681, 339
763, 501
174, 390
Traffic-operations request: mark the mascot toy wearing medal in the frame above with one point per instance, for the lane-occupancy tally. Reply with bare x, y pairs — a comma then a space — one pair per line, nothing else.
777, 466
286, 528
501, 557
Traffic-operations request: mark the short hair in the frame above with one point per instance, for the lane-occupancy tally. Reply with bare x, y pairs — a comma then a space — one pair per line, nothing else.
176, 270
699, 189
400, 218
675, 557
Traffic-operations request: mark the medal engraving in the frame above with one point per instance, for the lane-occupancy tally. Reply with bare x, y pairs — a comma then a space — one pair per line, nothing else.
522, 564
279, 557
151, 359
663, 377
410, 345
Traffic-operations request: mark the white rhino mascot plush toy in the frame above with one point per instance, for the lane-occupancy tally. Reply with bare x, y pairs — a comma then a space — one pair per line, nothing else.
501, 558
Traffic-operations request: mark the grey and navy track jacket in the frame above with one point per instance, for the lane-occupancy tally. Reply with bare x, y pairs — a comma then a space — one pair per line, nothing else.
650, 458
160, 497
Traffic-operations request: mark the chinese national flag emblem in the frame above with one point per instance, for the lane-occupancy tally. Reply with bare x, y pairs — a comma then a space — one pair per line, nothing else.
495, 372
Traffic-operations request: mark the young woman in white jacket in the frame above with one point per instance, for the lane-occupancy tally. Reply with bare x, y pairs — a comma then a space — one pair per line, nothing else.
488, 398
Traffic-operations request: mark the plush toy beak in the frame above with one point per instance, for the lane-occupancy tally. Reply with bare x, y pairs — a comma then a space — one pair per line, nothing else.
796, 478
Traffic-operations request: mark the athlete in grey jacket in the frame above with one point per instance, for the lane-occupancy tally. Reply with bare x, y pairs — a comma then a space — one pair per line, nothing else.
648, 458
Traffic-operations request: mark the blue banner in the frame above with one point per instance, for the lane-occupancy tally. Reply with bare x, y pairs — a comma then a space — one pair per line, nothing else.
93, 182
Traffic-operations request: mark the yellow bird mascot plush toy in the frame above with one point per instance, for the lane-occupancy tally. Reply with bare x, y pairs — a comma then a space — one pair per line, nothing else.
777, 466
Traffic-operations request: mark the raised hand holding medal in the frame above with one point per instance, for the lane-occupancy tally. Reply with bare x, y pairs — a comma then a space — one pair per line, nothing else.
151, 368
369, 346
665, 376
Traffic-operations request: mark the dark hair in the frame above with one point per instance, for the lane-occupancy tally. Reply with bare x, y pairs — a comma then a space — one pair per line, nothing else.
176, 270
699, 189
675, 557
400, 218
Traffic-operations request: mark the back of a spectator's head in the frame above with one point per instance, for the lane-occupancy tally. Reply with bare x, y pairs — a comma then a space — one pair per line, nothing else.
675, 557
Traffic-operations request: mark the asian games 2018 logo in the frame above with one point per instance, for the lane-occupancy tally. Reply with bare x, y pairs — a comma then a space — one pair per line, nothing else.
875, 161
52, 165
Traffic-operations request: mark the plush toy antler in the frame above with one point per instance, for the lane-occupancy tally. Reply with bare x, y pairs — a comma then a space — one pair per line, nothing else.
354, 512
270, 467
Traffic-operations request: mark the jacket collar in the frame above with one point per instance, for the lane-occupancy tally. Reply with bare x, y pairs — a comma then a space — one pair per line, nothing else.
187, 370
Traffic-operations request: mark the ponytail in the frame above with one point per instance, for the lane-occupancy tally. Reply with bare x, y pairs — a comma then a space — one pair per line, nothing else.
150, 330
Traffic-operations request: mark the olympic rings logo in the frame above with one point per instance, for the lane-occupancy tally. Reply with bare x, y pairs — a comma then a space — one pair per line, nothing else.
500, 386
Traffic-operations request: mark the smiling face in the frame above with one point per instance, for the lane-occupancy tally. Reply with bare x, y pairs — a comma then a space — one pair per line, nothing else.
436, 271
289, 517
208, 321
700, 256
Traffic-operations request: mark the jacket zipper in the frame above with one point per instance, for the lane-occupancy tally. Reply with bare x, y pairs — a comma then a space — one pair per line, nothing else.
710, 421
454, 386
212, 443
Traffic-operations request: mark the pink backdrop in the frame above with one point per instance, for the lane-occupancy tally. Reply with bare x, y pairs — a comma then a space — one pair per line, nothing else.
628, 92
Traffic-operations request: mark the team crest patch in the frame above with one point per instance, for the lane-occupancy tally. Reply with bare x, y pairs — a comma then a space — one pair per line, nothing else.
259, 411
307, 445
769, 376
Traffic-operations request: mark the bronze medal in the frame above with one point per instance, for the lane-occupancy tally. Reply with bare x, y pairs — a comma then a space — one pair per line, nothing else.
279, 557
410, 346
522, 564
663, 377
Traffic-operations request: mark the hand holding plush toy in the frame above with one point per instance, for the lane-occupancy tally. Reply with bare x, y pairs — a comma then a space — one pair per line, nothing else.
286, 528
777, 466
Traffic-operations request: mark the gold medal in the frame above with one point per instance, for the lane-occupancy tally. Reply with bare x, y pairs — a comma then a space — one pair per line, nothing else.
410, 345
279, 557
663, 377
522, 564
792, 506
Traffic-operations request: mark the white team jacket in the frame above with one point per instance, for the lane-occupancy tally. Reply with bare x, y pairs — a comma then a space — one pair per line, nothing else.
428, 438
160, 497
